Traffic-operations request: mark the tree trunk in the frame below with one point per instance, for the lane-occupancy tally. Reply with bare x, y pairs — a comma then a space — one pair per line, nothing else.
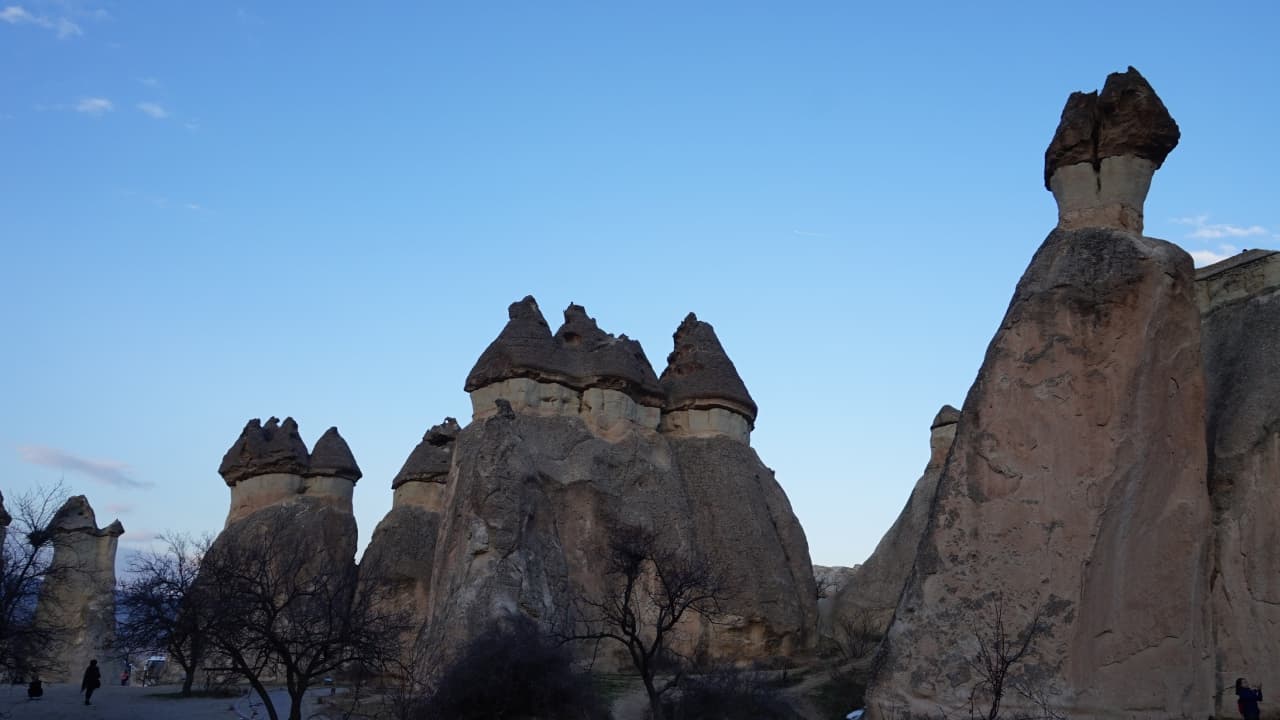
295, 703
266, 698
655, 700
188, 679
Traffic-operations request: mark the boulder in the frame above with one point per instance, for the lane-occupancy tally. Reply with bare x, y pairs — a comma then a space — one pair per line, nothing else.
76, 603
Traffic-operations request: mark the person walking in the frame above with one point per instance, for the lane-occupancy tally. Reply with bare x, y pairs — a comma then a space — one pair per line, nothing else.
1247, 699
92, 680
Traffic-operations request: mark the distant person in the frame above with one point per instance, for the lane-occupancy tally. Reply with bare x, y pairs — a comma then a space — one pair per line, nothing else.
92, 680
35, 689
124, 678
1247, 699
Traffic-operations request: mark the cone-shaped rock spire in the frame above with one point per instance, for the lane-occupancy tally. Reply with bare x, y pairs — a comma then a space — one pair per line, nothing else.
524, 348
274, 448
948, 415
332, 457
429, 461
700, 374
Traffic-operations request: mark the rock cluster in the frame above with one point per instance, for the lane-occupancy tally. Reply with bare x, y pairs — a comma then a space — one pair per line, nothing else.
573, 434
1073, 497
77, 600
270, 463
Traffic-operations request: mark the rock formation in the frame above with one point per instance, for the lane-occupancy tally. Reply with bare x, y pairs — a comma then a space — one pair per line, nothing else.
77, 600
868, 599
269, 464
1107, 147
400, 553
1240, 302
574, 435
1074, 491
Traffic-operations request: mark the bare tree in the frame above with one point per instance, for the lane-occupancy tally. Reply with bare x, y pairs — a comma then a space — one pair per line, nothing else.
1000, 650
274, 609
650, 589
25, 641
159, 607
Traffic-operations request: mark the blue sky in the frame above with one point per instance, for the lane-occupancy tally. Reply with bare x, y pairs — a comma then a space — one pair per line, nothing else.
211, 212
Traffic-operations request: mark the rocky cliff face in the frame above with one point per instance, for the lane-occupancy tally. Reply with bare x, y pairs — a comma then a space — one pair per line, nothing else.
1240, 299
1074, 492
573, 435
871, 594
77, 600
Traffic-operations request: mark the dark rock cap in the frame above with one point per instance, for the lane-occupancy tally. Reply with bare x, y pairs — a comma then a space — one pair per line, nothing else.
948, 415
430, 460
700, 374
580, 355
273, 448
5, 518
332, 457
1128, 118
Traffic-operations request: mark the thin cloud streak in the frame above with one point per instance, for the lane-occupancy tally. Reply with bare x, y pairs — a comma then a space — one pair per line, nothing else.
18, 15
107, 472
94, 106
1205, 230
154, 110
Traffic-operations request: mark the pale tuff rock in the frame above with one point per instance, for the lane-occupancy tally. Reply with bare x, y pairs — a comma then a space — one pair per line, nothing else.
77, 600
869, 598
1240, 299
1075, 486
270, 464
1107, 147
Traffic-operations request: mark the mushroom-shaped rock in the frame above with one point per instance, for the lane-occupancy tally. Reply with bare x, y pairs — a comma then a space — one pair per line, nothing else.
598, 359
948, 415
331, 457
429, 461
272, 448
524, 348
1106, 148
700, 375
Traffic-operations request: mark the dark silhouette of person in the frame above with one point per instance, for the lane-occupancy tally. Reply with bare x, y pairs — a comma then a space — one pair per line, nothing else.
92, 680
35, 689
1247, 699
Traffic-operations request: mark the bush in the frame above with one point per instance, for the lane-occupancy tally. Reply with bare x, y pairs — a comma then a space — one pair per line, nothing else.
730, 694
512, 671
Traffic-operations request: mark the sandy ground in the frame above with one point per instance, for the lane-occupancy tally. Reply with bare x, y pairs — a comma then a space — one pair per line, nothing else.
133, 703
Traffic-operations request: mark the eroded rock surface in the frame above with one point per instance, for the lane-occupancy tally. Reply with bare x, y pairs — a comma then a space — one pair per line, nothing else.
1240, 298
270, 464
77, 600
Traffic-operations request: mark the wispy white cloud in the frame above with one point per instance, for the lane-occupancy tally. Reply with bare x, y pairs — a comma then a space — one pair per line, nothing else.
149, 82
154, 110
94, 106
18, 15
107, 472
1202, 229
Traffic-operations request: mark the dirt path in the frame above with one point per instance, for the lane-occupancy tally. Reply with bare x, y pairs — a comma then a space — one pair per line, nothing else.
63, 701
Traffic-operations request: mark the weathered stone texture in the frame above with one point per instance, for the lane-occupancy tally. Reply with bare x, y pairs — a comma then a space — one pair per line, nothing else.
1075, 486
265, 449
700, 375
1240, 299
77, 600
270, 464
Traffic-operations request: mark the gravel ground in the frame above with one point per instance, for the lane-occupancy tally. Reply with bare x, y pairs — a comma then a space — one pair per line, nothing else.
63, 701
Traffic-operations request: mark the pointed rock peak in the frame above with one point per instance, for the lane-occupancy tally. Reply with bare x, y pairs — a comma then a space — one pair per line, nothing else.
527, 309
116, 529
948, 415
580, 330
430, 460
595, 358
272, 448
700, 374
524, 348
5, 518
332, 457
1127, 118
